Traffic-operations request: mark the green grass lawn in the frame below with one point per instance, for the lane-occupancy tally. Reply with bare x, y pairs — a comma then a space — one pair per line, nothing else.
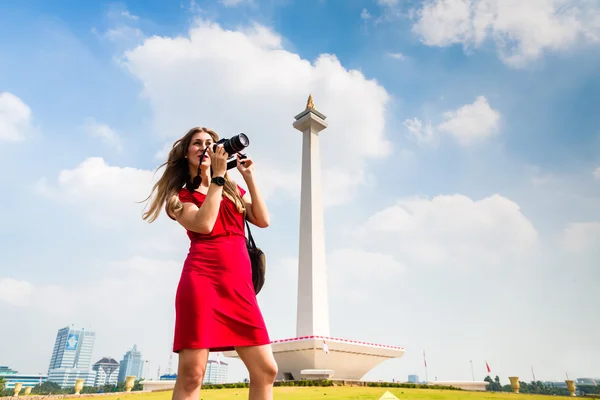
339, 393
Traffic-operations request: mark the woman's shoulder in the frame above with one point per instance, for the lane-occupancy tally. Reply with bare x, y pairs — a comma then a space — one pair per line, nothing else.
191, 196
241, 190
186, 196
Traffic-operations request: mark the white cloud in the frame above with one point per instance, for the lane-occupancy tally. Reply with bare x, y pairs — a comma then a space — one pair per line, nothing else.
597, 173
521, 30
472, 122
14, 292
122, 30
124, 34
423, 135
109, 197
451, 231
93, 178
365, 14
106, 195
104, 132
191, 81
582, 236
15, 118
387, 3
128, 15
233, 3
468, 125
397, 56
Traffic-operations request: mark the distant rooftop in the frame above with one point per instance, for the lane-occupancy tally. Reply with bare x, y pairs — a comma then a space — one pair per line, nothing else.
106, 360
4, 370
217, 362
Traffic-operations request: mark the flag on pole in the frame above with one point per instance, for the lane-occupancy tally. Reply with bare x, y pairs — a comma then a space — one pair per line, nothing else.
325, 348
424, 359
488, 367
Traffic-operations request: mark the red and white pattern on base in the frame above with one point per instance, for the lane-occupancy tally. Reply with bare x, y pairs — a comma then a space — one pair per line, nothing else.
346, 359
330, 339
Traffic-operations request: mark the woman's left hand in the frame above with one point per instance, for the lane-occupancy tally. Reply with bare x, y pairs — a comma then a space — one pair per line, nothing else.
245, 165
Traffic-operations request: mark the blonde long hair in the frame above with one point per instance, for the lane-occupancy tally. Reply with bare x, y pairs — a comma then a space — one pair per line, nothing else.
176, 174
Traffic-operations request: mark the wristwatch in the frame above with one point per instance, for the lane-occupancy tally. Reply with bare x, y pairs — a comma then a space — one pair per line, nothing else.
219, 180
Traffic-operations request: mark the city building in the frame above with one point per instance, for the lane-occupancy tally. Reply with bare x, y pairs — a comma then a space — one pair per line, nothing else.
72, 349
587, 381
413, 378
28, 380
132, 365
107, 371
71, 357
216, 372
66, 377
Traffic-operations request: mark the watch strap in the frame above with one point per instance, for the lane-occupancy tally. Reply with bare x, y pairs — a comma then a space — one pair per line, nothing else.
219, 180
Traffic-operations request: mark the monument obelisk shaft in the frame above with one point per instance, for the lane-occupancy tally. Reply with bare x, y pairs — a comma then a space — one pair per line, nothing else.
313, 308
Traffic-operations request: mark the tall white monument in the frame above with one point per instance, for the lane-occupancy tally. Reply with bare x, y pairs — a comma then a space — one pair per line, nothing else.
313, 308
313, 353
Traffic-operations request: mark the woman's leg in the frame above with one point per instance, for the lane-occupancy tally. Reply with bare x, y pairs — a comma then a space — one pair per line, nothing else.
190, 373
262, 369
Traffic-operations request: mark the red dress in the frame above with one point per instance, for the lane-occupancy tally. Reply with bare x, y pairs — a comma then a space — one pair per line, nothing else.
215, 304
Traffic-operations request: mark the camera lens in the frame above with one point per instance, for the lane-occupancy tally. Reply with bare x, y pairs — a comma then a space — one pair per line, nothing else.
236, 144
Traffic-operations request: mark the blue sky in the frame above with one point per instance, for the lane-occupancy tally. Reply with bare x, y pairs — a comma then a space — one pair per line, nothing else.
461, 170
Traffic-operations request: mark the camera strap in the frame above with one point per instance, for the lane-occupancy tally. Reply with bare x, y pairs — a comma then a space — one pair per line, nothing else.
194, 184
250, 238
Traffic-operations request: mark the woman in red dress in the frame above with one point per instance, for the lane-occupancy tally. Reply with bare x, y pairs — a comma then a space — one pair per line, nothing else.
216, 307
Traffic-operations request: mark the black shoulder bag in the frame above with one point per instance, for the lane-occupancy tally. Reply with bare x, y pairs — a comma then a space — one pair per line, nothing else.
258, 261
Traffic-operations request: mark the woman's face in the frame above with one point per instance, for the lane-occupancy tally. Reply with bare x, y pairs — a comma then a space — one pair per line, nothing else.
199, 142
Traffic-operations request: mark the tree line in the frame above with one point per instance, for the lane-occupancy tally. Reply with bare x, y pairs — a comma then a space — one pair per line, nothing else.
53, 388
538, 387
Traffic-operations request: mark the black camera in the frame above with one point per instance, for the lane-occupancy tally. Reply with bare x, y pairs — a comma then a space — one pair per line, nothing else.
233, 145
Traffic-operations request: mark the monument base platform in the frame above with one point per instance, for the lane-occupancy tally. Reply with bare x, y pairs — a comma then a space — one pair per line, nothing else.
157, 385
345, 359
317, 374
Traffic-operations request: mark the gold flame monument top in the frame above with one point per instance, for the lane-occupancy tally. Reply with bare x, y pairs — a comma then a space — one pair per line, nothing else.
310, 109
310, 105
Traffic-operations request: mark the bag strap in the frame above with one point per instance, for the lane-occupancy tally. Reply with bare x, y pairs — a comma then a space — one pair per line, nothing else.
250, 238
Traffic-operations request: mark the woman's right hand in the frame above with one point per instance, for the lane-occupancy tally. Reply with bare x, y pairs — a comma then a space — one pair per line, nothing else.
218, 160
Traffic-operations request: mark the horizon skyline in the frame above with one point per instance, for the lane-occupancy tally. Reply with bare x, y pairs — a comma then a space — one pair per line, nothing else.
213, 355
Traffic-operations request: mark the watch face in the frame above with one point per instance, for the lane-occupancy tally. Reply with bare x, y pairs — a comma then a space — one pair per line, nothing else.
219, 180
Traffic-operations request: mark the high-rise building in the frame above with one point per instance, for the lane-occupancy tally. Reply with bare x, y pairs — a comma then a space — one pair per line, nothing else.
216, 372
132, 364
413, 378
107, 371
72, 349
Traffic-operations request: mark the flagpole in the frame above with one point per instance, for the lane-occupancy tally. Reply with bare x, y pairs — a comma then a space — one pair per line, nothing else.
326, 350
425, 362
472, 373
533, 373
